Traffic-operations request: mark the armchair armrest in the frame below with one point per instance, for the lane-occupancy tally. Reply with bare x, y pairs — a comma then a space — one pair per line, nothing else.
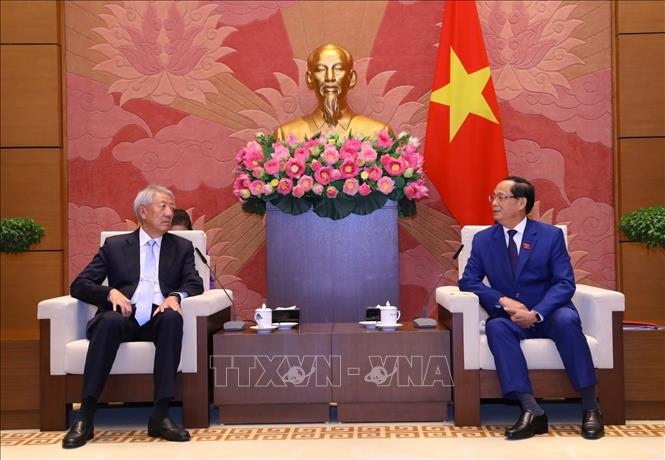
206, 304
468, 305
596, 306
69, 318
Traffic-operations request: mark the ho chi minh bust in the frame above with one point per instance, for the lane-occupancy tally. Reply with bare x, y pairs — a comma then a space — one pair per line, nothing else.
330, 74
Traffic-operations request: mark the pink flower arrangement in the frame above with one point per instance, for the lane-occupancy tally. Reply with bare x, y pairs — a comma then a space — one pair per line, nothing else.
334, 176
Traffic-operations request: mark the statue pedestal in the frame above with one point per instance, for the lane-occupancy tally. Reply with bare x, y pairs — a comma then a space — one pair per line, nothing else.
332, 269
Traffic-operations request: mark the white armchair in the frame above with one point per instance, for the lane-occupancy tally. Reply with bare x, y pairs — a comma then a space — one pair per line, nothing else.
601, 312
63, 349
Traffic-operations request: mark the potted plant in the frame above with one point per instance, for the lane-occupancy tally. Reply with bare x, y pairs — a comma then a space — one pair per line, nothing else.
645, 225
17, 234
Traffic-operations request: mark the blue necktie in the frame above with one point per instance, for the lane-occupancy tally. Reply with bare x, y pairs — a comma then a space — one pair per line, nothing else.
512, 250
146, 285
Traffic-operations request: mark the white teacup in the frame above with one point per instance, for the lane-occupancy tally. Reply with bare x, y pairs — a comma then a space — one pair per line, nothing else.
263, 316
389, 315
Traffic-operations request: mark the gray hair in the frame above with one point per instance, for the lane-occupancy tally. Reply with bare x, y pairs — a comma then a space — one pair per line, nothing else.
145, 196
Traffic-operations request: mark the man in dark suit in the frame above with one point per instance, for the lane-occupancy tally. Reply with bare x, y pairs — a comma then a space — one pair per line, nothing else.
149, 272
531, 284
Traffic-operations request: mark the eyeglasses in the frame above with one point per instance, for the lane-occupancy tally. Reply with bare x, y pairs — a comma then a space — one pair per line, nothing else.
500, 198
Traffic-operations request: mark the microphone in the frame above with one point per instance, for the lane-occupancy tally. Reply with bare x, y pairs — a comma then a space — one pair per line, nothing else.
425, 322
234, 324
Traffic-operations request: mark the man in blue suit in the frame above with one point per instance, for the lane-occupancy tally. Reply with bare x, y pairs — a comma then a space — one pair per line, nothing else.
531, 286
149, 272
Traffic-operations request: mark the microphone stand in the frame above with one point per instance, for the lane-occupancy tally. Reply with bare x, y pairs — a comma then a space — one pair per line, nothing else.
424, 322
234, 324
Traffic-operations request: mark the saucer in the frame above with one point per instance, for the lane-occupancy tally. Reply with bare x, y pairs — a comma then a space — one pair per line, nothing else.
388, 327
368, 324
263, 329
284, 326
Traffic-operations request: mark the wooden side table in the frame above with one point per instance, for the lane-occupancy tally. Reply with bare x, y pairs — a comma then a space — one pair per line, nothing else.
280, 377
402, 375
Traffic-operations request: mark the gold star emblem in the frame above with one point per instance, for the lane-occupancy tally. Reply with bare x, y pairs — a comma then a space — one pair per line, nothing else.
464, 94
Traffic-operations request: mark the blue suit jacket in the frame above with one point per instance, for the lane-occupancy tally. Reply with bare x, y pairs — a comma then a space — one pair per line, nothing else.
119, 259
544, 280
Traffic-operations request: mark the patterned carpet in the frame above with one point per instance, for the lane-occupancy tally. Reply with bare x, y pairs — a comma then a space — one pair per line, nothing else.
342, 431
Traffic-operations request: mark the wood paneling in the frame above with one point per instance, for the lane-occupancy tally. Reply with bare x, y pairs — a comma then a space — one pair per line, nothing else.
29, 21
20, 375
32, 186
644, 371
640, 16
641, 85
642, 275
642, 171
31, 100
27, 279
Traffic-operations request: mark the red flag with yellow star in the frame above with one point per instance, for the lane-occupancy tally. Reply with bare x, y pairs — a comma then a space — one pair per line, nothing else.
464, 150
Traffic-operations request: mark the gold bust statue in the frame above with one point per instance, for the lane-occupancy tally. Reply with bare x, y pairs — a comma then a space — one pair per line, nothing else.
330, 74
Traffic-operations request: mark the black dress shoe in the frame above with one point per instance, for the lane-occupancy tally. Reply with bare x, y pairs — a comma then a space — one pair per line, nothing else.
528, 425
167, 429
81, 432
592, 424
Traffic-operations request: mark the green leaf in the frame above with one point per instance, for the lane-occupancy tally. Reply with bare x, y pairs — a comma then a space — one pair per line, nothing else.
19, 233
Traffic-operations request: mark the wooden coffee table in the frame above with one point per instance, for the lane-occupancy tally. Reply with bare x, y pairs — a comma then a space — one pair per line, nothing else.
403, 375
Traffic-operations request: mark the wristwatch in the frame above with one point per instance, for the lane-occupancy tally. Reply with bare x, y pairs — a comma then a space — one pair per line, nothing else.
175, 294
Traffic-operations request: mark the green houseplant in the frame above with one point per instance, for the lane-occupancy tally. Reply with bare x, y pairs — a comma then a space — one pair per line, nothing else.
645, 225
17, 234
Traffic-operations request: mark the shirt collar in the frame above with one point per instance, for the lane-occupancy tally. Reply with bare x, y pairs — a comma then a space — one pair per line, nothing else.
144, 238
519, 227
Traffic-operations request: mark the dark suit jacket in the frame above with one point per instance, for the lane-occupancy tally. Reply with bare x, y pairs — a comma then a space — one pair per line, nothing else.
119, 260
544, 280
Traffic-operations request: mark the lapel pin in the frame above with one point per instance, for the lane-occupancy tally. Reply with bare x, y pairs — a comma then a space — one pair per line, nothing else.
526, 246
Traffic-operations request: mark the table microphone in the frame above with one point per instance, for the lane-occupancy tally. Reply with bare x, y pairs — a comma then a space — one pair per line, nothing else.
234, 324
424, 322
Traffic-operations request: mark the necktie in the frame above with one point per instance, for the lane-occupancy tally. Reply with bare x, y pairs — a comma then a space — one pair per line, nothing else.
512, 250
146, 285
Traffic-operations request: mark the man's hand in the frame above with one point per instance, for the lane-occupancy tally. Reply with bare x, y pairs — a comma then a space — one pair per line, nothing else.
170, 302
518, 312
120, 303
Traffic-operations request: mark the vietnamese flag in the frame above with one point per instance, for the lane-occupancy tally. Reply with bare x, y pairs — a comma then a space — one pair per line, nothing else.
464, 152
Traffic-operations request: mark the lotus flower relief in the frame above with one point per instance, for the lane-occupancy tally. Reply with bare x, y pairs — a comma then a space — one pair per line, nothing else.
529, 45
162, 50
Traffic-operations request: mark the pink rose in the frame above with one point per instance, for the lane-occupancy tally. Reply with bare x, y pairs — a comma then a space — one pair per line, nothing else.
383, 139
284, 187
258, 172
292, 140
253, 159
336, 174
331, 192
301, 154
374, 173
306, 182
316, 165
281, 153
272, 167
324, 175
350, 187
393, 166
317, 189
364, 190
367, 152
348, 169
295, 168
298, 191
330, 155
256, 187
385, 185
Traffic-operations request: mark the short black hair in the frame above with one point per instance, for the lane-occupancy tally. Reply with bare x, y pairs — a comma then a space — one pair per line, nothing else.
180, 217
523, 188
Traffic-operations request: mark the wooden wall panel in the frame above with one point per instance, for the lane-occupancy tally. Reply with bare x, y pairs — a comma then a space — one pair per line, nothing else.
20, 376
642, 275
31, 100
642, 171
641, 85
27, 279
641, 16
32, 186
29, 21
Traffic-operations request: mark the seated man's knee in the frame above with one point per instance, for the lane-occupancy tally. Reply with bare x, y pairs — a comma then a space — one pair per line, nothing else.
567, 317
170, 316
497, 326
